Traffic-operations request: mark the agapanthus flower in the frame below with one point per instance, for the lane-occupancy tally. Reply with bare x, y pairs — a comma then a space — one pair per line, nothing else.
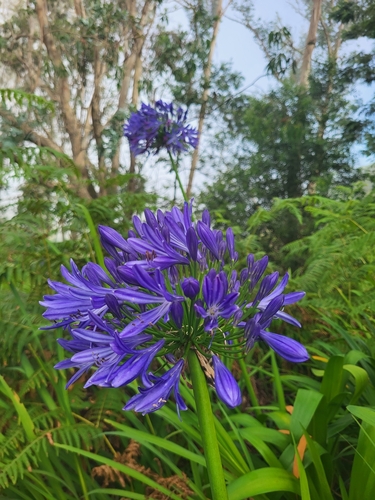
153, 128
170, 286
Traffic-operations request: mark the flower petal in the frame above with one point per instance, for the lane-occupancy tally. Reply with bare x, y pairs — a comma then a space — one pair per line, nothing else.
287, 348
225, 384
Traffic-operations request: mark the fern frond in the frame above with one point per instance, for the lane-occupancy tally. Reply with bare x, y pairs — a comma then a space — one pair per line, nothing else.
26, 455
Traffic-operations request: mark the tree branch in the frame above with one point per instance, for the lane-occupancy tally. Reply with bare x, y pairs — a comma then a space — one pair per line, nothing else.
310, 42
206, 90
30, 134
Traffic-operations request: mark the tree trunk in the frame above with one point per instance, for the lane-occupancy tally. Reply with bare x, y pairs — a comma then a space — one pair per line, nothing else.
207, 77
310, 42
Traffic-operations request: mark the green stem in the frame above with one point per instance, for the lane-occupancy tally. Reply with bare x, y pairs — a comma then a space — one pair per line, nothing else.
249, 385
277, 381
175, 170
207, 428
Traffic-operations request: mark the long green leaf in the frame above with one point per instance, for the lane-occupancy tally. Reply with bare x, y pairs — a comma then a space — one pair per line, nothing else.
361, 380
94, 235
323, 486
365, 414
119, 493
144, 437
362, 484
305, 406
262, 481
333, 381
26, 421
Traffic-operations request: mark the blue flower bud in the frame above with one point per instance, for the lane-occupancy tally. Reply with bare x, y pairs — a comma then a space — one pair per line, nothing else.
177, 313
237, 317
208, 239
244, 274
113, 305
222, 249
173, 275
230, 243
225, 384
206, 218
257, 271
192, 242
266, 286
190, 287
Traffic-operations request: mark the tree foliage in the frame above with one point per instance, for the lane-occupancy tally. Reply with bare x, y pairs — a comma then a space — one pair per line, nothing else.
87, 61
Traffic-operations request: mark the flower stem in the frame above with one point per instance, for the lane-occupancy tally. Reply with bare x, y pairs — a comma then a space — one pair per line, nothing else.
175, 170
249, 385
277, 382
207, 428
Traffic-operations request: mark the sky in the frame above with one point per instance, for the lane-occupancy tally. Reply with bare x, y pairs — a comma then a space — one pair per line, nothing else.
236, 42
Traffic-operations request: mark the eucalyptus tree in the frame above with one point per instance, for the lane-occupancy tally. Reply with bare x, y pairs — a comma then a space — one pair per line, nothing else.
358, 20
296, 139
86, 58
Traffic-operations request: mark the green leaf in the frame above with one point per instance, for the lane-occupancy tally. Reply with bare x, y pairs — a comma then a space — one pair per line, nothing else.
305, 491
365, 414
333, 382
119, 493
322, 485
263, 481
305, 406
263, 449
362, 480
229, 450
144, 437
344, 493
26, 421
361, 380
94, 235
276, 438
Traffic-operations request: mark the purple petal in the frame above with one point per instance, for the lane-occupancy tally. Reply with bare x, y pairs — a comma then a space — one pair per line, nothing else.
225, 384
177, 313
192, 243
257, 271
288, 319
154, 397
145, 320
206, 218
91, 336
200, 310
287, 348
230, 242
114, 238
273, 307
266, 286
113, 305
208, 239
291, 298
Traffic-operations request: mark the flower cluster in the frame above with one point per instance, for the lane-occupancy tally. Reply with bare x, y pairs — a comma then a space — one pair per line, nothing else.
151, 129
169, 287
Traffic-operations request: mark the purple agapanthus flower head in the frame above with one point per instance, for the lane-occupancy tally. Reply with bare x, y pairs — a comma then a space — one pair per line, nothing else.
169, 287
151, 129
